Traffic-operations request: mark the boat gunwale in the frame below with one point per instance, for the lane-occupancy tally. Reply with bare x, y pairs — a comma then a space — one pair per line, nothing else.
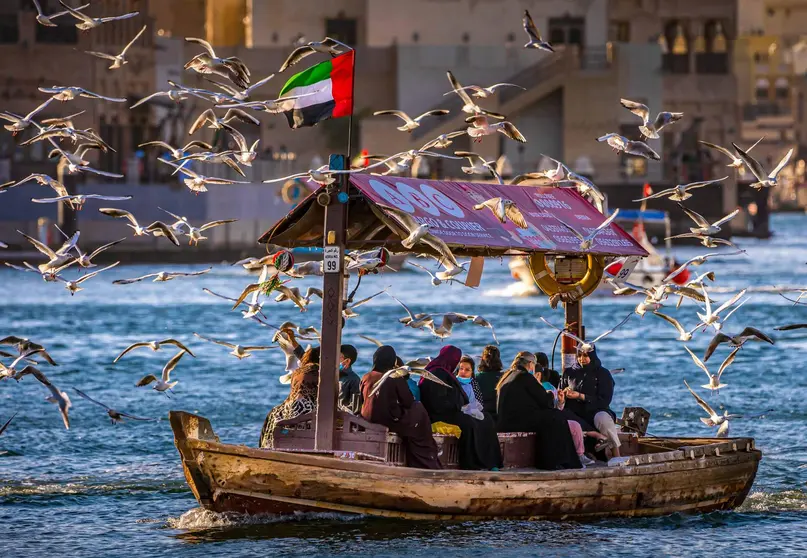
334, 463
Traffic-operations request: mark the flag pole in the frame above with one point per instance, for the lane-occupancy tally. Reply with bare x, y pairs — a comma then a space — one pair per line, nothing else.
350, 120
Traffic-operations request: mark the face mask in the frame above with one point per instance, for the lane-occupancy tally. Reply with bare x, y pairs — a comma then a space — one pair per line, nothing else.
341, 366
464, 380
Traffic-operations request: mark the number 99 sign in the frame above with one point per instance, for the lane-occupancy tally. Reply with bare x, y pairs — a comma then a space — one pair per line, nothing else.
330, 259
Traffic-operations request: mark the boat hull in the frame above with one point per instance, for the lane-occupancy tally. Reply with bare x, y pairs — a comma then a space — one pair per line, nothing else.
226, 478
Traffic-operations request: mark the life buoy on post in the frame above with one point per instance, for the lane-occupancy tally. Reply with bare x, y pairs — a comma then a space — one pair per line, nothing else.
549, 284
292, 192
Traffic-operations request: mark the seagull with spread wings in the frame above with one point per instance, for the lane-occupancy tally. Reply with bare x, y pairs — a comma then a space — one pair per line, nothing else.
163, 383
326, 46
621, 144
535, 36
154, 346
409, 122
238, 351
651, 129
736, 161
763, 180
114, 416
504, 209
680, 192
232, 68
19, 122
118, 60
587, 346
587, 241
161, 276
85, 22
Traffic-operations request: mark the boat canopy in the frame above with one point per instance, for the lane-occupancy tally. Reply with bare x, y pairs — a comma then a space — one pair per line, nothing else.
377, 204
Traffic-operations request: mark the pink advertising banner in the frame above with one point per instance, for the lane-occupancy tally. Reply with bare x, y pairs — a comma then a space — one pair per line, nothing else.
448, 209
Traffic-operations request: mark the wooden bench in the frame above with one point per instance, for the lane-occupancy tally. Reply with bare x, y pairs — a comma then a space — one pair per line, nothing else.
354, 434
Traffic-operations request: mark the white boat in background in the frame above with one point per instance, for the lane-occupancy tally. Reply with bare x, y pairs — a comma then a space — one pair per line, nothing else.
649, 271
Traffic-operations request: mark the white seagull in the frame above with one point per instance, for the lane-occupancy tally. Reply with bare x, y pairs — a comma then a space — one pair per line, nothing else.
535, 36
163, 383
161, 276
86, 22
409, 122
756, 169
118, 60
587, 241
20, 123
587, 346
238, 351
621, 144
651, 129
681, 191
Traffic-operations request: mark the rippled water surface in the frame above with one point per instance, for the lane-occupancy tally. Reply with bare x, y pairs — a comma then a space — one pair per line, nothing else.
103, 490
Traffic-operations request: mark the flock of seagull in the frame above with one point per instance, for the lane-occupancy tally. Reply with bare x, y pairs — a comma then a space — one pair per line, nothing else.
276, 270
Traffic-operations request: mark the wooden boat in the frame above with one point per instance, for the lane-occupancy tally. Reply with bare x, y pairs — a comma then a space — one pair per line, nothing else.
331, 460
663, 476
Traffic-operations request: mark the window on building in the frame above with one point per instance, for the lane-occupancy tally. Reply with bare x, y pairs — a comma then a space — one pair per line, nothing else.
782, 88
619, 31
675, 55
762, 87
342, 29
9, 27
713, 58
63, 34
566, 30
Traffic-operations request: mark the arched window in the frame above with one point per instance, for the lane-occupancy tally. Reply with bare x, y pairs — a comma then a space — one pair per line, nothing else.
762, 88
782, 88
676, 57
713, 59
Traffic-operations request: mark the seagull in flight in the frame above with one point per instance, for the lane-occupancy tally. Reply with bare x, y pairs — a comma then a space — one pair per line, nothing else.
118, 60
409, 122
535, 36
115, 416
45, 20
587, 346
681, 191
161, 276
238, 351
154, 346
736, 162
163, 383
326, 46
651, 129
20, 123
756, 169
621, 144
86, 22
705, 228
587, 241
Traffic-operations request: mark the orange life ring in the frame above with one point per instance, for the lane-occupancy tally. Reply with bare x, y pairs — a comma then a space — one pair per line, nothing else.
292, 192
546, 281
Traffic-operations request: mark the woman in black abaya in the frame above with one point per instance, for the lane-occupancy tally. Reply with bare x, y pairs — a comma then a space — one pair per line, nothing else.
478, 443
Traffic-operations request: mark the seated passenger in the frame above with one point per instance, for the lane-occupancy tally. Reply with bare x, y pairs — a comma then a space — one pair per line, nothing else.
478, 442
588, 389
487, 376
349, 381
302, 396
394, 406
525, 406
548, 375
468, 383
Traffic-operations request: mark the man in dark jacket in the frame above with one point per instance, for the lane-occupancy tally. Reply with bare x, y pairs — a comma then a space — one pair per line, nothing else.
349, 381
547, 374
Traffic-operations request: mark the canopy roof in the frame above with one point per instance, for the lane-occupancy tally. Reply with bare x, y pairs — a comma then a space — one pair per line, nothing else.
448, 209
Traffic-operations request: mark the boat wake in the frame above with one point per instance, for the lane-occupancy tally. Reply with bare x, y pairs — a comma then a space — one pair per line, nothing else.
784, 501
200, 518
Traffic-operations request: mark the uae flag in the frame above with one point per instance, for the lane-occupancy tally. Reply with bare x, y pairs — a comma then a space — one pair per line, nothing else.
327, 90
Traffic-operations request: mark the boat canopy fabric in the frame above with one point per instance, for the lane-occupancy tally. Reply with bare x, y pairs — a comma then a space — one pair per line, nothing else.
376, 203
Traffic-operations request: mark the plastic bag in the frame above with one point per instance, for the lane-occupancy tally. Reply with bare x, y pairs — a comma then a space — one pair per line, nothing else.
474, 409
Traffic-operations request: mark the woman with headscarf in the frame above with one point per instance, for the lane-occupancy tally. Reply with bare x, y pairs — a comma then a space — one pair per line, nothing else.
589, 388
478, 443
302, 396
524, 405
488, 374
467, 379
394, 406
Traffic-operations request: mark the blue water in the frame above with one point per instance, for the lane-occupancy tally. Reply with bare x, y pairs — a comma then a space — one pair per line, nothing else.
103, 490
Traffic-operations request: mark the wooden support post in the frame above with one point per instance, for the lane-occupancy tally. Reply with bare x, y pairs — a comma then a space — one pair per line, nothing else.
574, 325
333, 288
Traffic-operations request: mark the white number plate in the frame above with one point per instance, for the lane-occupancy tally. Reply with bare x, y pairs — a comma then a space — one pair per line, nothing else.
330, 259
627, 268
